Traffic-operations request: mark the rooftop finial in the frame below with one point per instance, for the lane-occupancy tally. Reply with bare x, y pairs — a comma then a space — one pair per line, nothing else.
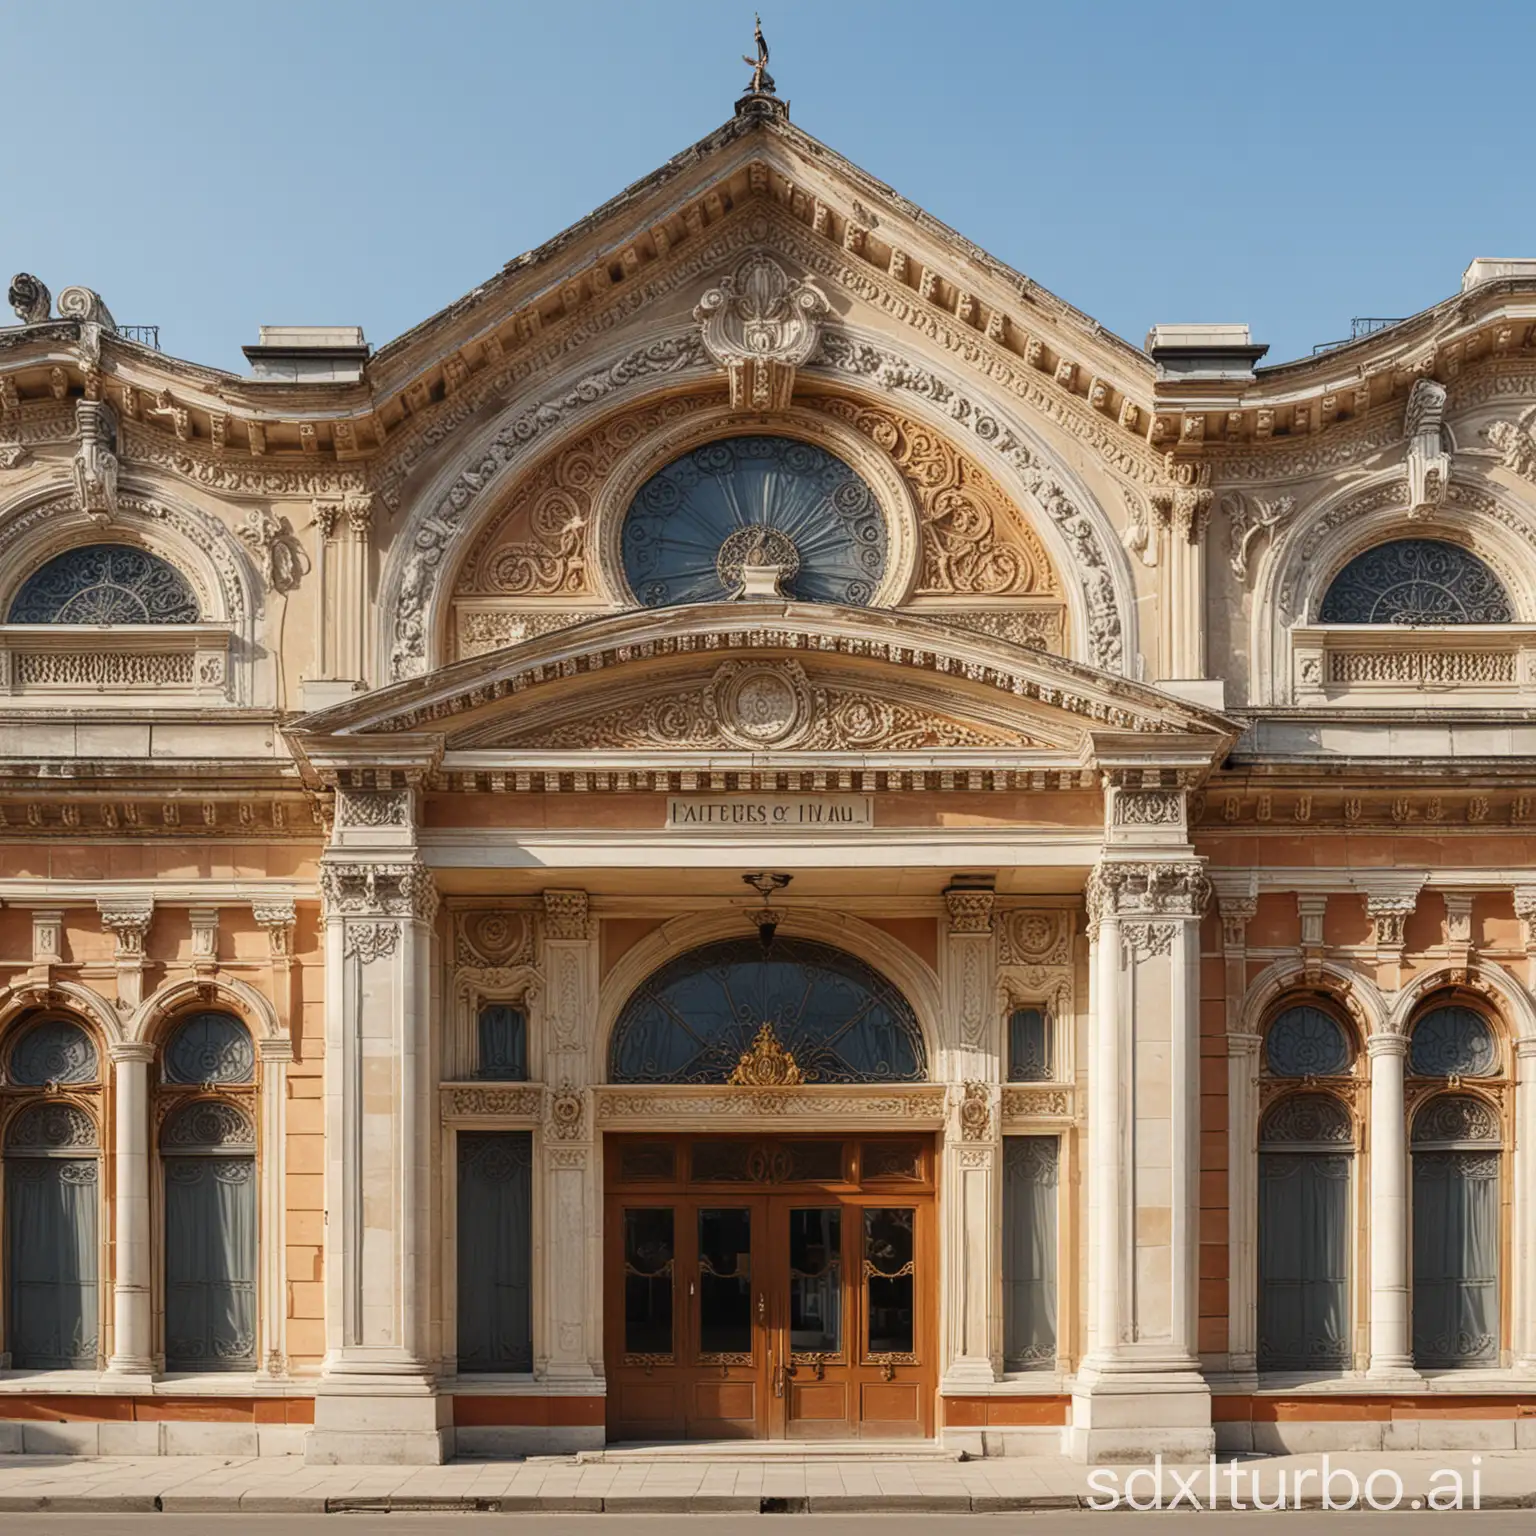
762, 81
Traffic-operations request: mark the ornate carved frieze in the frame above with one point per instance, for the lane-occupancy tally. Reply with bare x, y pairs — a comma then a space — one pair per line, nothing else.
1148, 807
356, 808
384, 890
566, 915
1515, 447
1035, 937
970, 911
806, 1106
760, 325
499, 1103
231, 475
496, 938
1037, 1103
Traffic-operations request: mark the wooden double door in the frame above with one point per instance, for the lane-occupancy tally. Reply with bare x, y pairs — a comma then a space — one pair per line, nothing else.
770, 1288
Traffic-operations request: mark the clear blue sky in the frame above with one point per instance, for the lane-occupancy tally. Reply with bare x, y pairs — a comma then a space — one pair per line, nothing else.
211, 166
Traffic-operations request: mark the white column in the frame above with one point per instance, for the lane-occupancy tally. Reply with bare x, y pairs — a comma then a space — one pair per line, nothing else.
1523, 1249
132, 1310
276, 1053
1391, 1308
1139, 1391
568, 1343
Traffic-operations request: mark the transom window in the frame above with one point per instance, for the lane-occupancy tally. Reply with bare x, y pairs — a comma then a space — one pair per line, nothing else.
765, 501
210, 1048
55, 1051
105, 584
835, 1018
1416, 581
1306, 1042
1452, 1041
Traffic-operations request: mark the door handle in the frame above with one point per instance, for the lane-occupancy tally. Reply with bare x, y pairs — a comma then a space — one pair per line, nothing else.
780, 1379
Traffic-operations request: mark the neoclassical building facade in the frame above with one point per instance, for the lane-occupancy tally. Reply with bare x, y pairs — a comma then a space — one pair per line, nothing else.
759, 830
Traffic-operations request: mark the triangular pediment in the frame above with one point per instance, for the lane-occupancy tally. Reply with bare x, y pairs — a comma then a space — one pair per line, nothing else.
750, 683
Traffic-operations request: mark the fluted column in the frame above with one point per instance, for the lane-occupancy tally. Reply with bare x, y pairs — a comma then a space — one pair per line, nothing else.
1524, 1246
1391, 1304
132, 1297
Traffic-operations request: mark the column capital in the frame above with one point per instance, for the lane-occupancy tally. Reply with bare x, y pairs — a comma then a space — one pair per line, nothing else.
127, 919
1525, 1047
1171, 888
566, 915
131, 1050
274, 1048
1239, 1044
970, 911
1386, 1045
378, 889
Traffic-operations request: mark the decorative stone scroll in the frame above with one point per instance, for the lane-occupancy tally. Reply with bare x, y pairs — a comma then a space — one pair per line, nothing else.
1429, 465
95, 463
760, 325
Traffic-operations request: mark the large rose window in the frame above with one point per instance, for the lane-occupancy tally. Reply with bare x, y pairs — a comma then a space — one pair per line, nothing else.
754, 502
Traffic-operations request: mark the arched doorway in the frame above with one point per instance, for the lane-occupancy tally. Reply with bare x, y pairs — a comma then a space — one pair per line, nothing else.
761, 1285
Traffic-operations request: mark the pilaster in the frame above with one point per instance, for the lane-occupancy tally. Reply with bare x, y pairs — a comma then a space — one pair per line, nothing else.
277, 920
376, 1400
571, 1347
1140, 1391
276, 1052
971, 1191
128, 921
1524, 1246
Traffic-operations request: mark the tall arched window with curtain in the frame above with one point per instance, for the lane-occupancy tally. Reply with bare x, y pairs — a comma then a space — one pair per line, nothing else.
53, 1201
1306, 1157
208, 1157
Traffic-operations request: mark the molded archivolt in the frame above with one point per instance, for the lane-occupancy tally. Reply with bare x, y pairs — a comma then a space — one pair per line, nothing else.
954, 470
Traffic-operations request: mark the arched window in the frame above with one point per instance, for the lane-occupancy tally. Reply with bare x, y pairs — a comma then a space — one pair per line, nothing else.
1306, 1146
1452, 1041
756, 501
1030, 1175
208, 1150
1456, 1156
1416, 581
55, 1051
495, 1251
1029, 1046
105, 584
52, 1214
1306, 1042
732, 1007
209, 1048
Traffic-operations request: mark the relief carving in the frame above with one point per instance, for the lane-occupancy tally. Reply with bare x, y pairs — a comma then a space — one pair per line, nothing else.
760, 325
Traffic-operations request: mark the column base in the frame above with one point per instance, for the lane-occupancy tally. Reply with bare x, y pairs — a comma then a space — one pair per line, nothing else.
1132, 1416
129, 1373
1394, 1371
380, 1425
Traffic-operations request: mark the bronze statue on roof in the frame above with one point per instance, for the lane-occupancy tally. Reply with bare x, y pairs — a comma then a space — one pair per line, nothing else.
762, 81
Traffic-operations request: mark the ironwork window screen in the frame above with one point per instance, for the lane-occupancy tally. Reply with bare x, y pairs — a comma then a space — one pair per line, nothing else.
105, 584
501, 1034
210, 1048
1031, 1167
1456, 1199
1029, 1046
55, 1051
1306, 1042
495, 1251
1453, 1041
1416, 581
692, 1021
52, 1215
1305, 1158
692, 525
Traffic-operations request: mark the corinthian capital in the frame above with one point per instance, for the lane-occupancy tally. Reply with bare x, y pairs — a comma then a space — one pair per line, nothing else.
379, 890
1178, 888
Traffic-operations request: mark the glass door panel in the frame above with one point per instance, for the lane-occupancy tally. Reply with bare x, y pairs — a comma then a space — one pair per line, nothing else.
649, 1255
725, 1286
724, 1391
890, 1276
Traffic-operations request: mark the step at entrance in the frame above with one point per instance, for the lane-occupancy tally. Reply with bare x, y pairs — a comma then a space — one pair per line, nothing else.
780, 1452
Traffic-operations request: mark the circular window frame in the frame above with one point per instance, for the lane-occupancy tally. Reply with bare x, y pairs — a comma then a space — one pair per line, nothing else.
897, 503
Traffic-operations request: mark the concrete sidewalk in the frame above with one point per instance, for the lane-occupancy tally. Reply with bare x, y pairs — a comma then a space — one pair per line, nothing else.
285, 1485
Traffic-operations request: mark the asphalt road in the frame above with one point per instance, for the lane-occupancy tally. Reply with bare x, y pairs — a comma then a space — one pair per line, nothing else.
1297, 1523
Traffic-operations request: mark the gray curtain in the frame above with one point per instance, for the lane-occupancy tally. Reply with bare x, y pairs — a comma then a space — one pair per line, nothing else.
210, 1263
1030, 1167
1303, 1260
1455, 1258
495, 1251
51, 1206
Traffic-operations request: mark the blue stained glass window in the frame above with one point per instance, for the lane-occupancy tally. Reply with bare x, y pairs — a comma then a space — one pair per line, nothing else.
210, 1048
1416, 581
1306, 1042
503, 1039
696, 1017
693, 524
1453, 1040
105, 584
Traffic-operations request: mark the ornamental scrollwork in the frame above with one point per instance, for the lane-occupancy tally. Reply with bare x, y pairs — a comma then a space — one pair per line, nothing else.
1145, 941
1029, 1103
1315, 1118
367, 942
970, 911
496, 939
566, 915
1172, 889
208, 1125
1455, 1117
516, 1102
975, 1112
1035, 938
382, 890
1149, 807
52, 1127
567, 1107
760, 325
356, 809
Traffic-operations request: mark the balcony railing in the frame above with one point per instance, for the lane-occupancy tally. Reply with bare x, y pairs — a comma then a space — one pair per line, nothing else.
145, 335
1361, 325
